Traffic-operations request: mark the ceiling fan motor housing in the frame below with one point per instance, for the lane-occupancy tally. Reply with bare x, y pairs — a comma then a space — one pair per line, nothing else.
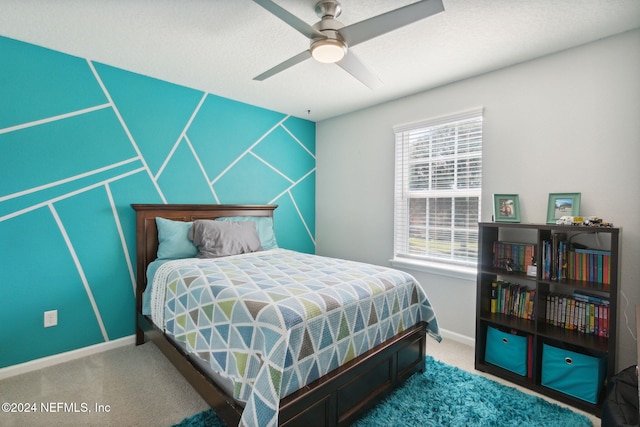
330, 28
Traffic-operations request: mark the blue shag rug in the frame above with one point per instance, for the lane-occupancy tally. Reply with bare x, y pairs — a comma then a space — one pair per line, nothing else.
447, 396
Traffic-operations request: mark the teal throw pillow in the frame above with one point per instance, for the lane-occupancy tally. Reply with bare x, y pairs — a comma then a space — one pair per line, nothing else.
173, 240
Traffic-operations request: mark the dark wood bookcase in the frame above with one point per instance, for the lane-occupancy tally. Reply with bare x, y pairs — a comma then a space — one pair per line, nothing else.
537, 328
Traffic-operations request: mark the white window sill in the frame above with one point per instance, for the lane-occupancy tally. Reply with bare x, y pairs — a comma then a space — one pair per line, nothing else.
458, 272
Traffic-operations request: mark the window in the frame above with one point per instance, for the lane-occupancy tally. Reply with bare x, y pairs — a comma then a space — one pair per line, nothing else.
438, 188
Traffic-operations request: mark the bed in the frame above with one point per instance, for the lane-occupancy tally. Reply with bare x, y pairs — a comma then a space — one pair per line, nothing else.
290, 378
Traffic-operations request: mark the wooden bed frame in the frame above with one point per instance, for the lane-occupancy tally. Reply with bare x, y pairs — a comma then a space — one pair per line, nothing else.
338, 398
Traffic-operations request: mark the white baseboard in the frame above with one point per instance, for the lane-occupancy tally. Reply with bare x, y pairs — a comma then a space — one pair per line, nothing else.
44, 362
454, 336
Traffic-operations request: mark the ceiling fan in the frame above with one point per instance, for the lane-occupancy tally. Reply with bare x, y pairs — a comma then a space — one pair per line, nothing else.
331, 40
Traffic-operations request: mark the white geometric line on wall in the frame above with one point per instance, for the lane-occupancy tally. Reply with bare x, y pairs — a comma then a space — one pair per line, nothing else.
123, 241
76, 261
183, 134
295, 205
67, 180
167, 159
126, 129
258, 141
288, 189
54, 118
298, 141
201, 166
270, 166
70, 194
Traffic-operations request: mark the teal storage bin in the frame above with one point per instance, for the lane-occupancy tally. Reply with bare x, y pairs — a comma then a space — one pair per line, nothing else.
576, 374
508, 351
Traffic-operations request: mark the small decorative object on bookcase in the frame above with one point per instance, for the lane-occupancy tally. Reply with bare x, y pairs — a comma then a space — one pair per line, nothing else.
511, 256
562, 204
594, 221
506, 208
506, 263
586, 221
532, 270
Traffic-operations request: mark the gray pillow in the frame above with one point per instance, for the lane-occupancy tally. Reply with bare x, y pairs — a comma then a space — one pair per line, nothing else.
264, 227
217, 239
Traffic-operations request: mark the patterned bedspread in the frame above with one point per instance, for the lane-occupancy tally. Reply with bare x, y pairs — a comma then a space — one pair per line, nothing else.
276, 320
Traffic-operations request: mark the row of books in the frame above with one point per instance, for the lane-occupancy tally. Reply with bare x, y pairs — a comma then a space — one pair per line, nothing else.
591, 265
579, 312
513, 300
561, 261
513, 256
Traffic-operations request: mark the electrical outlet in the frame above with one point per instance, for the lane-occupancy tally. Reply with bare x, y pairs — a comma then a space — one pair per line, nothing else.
50, 318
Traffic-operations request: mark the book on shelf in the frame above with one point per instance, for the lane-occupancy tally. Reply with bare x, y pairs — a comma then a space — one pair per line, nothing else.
581, 312
513, 256
554, 256
561, 261
512, 300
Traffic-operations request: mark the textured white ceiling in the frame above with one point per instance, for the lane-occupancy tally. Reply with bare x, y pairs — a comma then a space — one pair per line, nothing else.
218, 46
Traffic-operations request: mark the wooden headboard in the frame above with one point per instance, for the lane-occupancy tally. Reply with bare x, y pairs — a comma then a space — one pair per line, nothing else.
147, 232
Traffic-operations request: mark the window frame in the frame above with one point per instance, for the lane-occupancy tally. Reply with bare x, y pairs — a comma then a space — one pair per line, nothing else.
402, 253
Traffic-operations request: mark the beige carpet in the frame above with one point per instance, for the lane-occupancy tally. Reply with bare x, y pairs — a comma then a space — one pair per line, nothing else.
140, 386
136, 385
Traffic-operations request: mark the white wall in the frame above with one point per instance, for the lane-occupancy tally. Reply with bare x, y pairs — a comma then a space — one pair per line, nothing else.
568, 122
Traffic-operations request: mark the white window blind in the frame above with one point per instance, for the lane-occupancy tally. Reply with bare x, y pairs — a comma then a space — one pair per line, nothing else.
438, 188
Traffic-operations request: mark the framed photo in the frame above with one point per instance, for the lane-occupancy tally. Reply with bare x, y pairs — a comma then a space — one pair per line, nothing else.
562, 204
506, 208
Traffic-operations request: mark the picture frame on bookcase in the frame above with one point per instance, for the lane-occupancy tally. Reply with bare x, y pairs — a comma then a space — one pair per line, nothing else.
562, 204
506, 208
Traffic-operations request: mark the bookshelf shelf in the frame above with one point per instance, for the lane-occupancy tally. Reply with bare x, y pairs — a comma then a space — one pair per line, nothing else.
580, 284
581, 340
566, 312
511, 322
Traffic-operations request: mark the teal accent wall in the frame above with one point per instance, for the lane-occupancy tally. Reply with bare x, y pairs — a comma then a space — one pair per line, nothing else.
79, 142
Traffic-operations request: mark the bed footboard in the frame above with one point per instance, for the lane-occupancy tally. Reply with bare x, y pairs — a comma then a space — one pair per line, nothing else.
336, 399
342, 396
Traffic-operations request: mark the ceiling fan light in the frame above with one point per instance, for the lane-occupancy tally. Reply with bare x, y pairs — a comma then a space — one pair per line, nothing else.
328, 51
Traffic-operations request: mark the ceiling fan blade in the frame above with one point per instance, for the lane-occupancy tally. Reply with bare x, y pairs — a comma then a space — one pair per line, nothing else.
284, 65
392, 20
352, 65
290, 19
